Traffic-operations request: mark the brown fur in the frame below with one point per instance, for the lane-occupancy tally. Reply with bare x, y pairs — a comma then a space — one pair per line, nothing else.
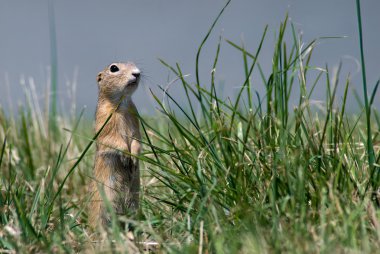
116, 170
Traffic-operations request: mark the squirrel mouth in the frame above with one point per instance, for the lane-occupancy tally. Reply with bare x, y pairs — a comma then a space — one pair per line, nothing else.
133, 83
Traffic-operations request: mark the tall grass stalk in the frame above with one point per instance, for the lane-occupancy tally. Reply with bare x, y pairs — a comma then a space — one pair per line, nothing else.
53, 65
371, 154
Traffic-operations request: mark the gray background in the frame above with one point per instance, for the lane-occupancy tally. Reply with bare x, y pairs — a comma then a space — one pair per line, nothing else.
92, 34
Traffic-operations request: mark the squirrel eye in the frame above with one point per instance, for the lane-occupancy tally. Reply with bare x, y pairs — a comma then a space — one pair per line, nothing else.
114, 68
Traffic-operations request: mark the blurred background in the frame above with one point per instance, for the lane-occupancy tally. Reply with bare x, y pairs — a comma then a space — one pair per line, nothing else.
92, 34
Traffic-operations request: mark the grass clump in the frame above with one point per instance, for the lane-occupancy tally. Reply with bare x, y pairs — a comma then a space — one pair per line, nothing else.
258, 177
251, 174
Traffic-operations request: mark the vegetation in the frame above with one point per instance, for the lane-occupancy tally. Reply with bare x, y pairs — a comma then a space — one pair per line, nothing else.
221, 175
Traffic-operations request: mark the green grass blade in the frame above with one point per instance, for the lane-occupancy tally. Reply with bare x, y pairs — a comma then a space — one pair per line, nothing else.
369, 146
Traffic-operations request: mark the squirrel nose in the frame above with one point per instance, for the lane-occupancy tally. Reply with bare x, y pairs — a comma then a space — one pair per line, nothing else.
136, 73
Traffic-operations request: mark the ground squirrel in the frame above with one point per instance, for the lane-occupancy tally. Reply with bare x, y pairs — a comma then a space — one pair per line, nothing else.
116, 168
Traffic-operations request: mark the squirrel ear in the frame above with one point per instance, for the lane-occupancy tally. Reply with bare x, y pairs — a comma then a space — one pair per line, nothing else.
99, 77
